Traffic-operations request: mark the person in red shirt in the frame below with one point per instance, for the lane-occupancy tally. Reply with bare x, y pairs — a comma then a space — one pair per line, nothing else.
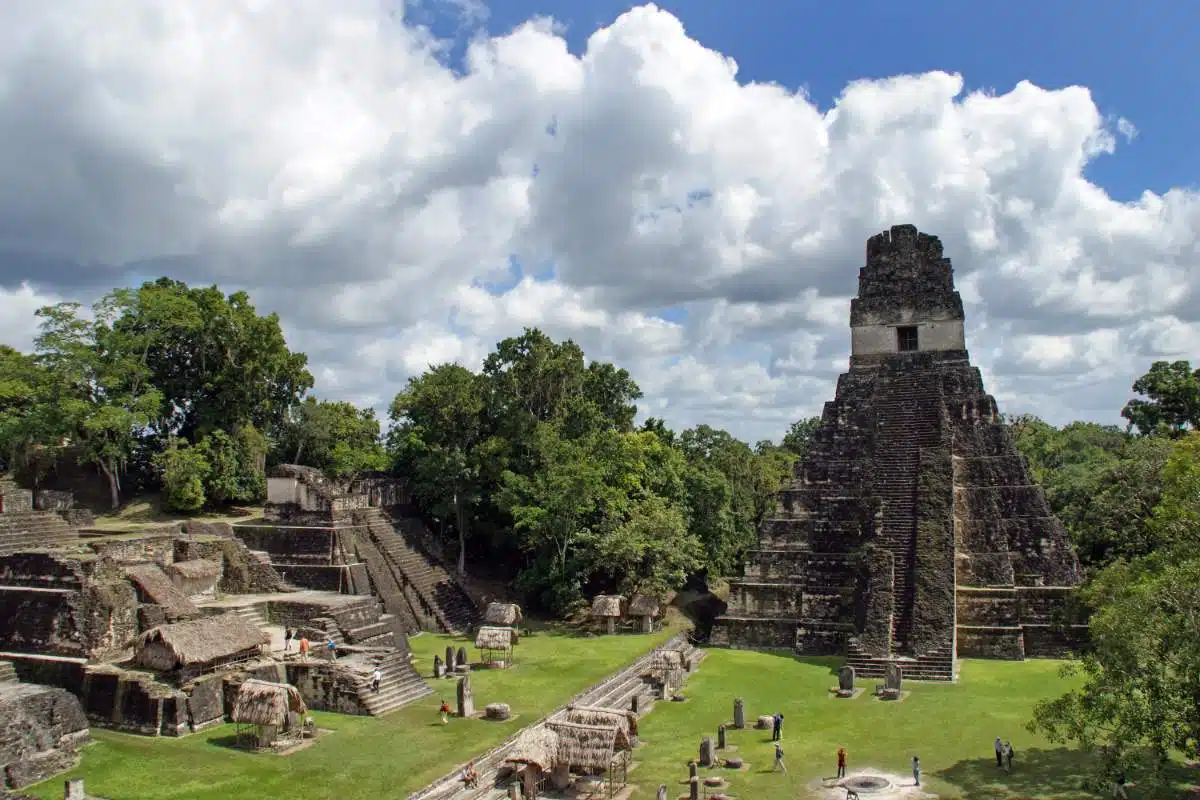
841, 762
445, 710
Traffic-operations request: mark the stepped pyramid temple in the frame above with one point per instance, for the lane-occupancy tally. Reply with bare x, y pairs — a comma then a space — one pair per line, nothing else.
153, 629
913, 533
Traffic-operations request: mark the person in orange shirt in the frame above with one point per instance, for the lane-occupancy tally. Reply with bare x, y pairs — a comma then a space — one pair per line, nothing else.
304, 647
841, 762
445, 710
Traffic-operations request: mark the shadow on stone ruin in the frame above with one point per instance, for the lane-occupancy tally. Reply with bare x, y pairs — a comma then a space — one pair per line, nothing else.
913, 533
161, 630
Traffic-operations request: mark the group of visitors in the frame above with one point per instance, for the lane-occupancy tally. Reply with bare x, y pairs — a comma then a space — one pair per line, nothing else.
1004, 754
303, 644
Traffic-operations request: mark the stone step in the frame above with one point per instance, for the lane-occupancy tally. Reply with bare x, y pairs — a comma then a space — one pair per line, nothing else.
8, 673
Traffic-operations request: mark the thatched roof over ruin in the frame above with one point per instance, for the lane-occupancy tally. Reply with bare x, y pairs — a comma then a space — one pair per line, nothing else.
155, 584
493, 638
503, 614
264, 703
588, 747
537, 745
200, 641
607, 605
643, 605
196, 569
625, 722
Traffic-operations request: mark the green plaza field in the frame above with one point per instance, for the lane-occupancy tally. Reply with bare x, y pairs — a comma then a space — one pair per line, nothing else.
363, 757
950, 726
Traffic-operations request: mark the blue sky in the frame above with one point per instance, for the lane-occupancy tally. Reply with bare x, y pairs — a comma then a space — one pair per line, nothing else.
1139, 60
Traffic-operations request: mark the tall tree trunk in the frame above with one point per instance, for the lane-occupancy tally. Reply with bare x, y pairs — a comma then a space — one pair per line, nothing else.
460, 519
114, 483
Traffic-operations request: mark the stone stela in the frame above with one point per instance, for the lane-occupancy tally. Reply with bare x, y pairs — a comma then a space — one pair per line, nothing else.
466, 698
912, 530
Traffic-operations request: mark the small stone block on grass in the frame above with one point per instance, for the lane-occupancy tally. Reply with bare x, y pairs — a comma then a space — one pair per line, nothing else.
765, 722
497, 711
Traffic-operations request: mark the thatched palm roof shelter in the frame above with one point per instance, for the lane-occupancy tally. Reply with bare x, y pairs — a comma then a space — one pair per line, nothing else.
643, 605
196, 568
537, 745
624, 721
667, 666
155, 587
503, 614
264, 703
199, 643
607, 605
491, 641
585, 747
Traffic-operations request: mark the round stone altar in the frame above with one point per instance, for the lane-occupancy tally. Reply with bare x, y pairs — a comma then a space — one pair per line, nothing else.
867, 784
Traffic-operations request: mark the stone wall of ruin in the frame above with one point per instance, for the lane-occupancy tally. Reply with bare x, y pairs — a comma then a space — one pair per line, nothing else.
41, 730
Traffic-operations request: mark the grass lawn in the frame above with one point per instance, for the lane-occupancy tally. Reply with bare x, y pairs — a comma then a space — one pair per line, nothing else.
148, 511
364, 757
950, 726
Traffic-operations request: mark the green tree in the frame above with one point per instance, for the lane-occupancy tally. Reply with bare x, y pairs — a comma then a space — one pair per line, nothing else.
800, 435
98, 396
1173, 404
215, 360
555, 506
183, 471
652, 551
232, 476
438, 439
335, 437
23, 384
1141, 682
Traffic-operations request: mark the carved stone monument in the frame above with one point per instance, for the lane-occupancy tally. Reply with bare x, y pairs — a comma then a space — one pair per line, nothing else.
74, 790
450, 662
635, 703
913, 498
466, 700
460, 659
662, 791
846, 681
739, 713
692, 767
721, 744
694, 789
892, 677
708, 755
439, 669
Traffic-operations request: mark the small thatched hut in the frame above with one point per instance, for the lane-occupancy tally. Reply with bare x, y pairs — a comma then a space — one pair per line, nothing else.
608, 607
268, 710
197, 577
495, 644
645, 609
667, 666
503, 614
589, 750
625, 722
199, 645
533, 755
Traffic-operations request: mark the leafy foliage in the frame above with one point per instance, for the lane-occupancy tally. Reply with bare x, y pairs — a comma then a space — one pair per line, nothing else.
1173, 404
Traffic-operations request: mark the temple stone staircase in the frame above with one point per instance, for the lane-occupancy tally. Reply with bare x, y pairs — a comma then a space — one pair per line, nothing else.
436, 600
8, 673
254, 615
937, 664
30, 530
400, 686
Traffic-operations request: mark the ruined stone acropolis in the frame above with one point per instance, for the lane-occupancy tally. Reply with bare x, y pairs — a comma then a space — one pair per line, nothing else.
912, 532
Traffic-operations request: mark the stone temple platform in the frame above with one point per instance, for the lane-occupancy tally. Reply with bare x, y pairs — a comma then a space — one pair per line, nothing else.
913, 532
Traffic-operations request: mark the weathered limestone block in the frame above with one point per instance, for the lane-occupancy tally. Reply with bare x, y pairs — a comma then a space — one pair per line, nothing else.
41, 728
739, 713
466, 698
497, 711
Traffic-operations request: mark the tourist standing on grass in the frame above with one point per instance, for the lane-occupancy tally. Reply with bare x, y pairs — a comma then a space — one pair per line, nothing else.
1008, 755
916, 771
779, 765
999, 752
1119, 786
287, 640
841, 762
777, 727
662, 791
445, 712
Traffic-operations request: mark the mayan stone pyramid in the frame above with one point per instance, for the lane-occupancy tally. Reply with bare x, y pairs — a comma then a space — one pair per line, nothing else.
913, 532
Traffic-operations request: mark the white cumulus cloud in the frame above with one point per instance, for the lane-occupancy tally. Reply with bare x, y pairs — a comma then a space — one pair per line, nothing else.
703, 231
